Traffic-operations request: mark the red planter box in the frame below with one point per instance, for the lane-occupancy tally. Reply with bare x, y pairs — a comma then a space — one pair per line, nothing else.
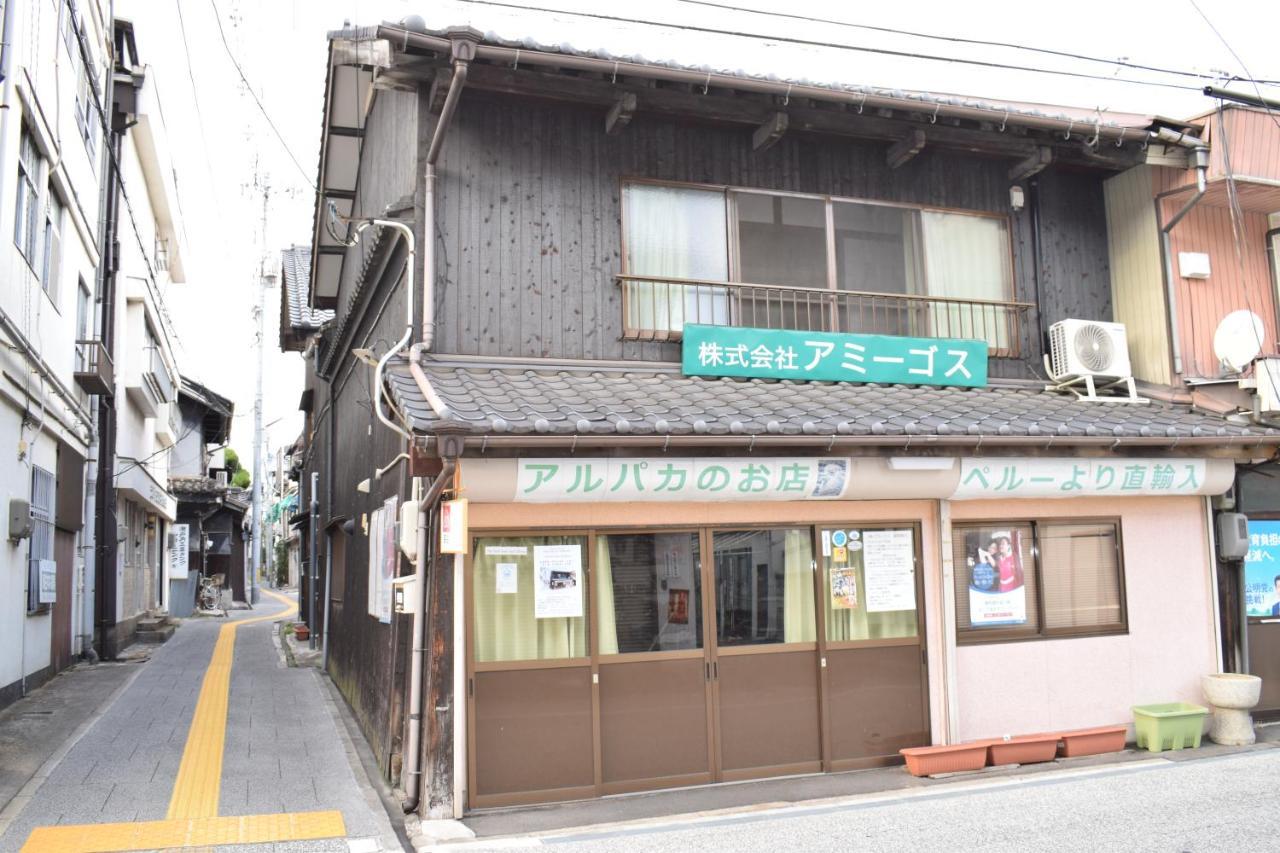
1027, 749
931, 760
1092, 741
301, 631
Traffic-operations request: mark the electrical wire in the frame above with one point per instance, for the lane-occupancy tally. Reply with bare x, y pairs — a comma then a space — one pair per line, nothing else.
195, 98
833, 45
227, 46
1248, 76
1064, 54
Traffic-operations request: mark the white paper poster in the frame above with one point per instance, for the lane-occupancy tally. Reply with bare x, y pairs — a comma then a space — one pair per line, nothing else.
179, 538
390, 555
557, 581
508, 579
506, 550
888, 564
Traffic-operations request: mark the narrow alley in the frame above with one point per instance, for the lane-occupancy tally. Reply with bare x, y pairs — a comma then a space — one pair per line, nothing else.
217, 740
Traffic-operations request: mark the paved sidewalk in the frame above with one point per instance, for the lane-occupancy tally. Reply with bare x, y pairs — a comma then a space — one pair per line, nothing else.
284, 751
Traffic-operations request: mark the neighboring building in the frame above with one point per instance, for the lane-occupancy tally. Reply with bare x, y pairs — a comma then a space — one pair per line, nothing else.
686, 561
53, 84
140, 421
1194, 254
204, 427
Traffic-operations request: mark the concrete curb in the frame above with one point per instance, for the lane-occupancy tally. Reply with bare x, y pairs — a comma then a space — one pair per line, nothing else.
14, 808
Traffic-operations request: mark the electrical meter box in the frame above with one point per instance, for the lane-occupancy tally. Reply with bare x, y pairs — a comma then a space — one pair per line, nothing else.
404, 594
1233, 535
19, 519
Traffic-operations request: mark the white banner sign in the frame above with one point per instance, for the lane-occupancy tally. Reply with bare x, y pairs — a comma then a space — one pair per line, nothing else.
666, 479
1012, 477
48, 591
179, 550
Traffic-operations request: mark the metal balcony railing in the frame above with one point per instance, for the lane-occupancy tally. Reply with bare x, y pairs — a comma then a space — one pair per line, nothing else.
94, 371
656, 309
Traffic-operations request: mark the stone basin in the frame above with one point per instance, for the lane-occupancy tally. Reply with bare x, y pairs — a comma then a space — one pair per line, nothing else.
1232, 695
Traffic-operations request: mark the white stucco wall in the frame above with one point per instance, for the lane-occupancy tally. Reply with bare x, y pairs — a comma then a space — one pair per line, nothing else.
1046, 685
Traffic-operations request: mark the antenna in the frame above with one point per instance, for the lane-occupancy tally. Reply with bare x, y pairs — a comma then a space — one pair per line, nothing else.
1238, 340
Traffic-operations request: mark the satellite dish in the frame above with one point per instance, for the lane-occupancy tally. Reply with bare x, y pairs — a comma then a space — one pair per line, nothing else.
1238, 339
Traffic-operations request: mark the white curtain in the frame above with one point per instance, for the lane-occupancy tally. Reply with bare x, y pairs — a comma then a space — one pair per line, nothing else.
967, 257
799, 624
675, 232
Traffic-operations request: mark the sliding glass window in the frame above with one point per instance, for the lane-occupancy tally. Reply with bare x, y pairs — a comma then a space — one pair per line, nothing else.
764, 587
529, 598
649, 592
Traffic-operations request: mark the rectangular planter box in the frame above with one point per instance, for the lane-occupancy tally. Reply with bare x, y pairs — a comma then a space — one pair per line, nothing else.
1027, 749
931, 760
301, 631
1092, 741
1172, 725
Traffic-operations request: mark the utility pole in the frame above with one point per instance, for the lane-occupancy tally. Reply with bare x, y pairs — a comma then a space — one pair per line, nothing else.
264, 281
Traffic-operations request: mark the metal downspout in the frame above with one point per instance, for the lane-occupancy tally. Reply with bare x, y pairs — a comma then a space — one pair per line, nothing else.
413, 746
463, 51
311, 560
1166, 248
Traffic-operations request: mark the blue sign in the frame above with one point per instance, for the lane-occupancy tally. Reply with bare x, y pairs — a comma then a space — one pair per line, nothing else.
832, 357
1262, 569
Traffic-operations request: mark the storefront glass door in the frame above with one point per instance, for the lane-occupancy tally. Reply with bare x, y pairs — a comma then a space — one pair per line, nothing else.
764, 663
654, 688
874, 678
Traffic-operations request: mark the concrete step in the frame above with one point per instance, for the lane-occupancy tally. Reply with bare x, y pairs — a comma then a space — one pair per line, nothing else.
157, 632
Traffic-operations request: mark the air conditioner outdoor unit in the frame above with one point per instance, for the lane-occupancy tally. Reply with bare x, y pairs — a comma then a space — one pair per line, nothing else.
1093, 354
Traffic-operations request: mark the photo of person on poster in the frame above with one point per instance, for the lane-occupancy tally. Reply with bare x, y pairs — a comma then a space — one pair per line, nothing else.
997, 595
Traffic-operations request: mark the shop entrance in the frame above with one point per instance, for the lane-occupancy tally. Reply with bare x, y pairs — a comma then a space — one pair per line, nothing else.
613, 661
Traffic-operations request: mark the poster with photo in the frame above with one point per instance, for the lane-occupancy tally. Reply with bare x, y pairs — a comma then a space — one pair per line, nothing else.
678, 606
1262, 569
557, 581
844, 589
997, 591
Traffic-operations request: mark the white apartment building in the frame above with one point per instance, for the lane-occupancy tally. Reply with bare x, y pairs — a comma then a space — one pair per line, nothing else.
52, 96
147, 418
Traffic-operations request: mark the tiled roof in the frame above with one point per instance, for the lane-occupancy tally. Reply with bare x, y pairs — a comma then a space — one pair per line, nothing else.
181, 486
611, 398
296, 262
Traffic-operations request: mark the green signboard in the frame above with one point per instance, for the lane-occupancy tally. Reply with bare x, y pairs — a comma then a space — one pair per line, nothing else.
833, 357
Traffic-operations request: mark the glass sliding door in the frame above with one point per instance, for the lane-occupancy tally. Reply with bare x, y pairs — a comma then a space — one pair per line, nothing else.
782, 243
654, 679
764, 662
878, 251
876, 692
968, 258
531, 732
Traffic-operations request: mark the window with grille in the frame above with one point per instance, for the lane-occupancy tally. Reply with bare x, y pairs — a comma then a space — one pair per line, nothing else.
42, 570
1037, 579
51, 267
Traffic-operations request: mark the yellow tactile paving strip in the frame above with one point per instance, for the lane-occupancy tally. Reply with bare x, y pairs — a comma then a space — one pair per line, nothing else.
192, 820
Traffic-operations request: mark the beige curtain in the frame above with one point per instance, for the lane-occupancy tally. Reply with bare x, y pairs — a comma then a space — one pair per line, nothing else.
504, 623
606, 620
798, 620
675, 232
857, 623
967, 257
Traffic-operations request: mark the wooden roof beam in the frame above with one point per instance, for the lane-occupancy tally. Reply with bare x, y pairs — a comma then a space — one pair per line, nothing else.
1033, 165
767, 134
905, 148
620, 114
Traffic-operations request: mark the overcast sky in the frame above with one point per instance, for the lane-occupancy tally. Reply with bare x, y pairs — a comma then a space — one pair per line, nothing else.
225, 152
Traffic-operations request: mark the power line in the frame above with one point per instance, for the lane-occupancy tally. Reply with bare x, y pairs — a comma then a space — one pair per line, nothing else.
1248, 76
834, 45
1124, 63
195, 98
217, 16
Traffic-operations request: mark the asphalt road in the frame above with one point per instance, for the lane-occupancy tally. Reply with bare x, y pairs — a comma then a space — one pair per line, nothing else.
1229, 803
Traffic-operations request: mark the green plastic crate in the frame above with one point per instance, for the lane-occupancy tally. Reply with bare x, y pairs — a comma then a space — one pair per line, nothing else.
1172, 725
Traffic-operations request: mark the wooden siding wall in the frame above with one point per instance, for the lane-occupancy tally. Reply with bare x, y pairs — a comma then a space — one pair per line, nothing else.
1137, 277
1237, 279
388, 172
529, 232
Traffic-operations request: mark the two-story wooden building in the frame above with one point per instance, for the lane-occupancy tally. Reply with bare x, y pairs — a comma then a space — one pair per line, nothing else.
743, 381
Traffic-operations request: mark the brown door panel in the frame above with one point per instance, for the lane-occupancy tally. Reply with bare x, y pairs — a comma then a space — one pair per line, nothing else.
768, 716
875, 701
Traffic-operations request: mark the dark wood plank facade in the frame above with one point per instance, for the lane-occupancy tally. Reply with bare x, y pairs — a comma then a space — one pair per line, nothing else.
529, 222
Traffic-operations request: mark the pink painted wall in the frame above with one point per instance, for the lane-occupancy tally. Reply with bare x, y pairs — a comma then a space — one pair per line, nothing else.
1043, 685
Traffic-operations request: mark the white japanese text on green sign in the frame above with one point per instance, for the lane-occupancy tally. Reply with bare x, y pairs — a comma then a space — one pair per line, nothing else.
832, 357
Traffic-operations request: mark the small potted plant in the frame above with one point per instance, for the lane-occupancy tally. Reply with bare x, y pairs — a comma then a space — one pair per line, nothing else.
301, 631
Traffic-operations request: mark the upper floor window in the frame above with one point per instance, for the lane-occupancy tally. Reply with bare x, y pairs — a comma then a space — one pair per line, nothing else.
26, 218
809, 262
86, 80
51, 266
